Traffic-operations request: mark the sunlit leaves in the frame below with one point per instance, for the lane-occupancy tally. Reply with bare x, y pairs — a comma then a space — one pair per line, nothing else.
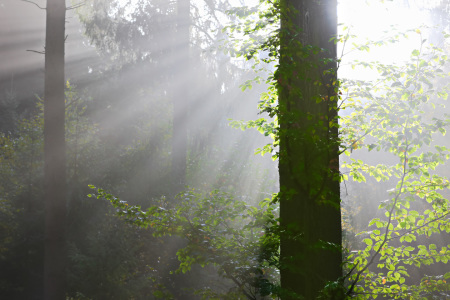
398, 114
254, 30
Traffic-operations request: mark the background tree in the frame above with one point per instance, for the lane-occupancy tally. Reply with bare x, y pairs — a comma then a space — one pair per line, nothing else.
55, 153
182, 95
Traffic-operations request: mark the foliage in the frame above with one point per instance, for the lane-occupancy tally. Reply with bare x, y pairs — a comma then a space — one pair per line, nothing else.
398, 115
254, 36
8, 110
114, 257
219, 230
21, 208
301, 105
138, 31
7, 227
148, 49
91, 265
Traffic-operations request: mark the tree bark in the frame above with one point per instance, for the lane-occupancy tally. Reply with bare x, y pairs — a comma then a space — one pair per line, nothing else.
308, 162
55, 153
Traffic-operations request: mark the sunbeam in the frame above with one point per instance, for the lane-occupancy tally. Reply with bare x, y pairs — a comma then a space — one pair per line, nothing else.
168, 108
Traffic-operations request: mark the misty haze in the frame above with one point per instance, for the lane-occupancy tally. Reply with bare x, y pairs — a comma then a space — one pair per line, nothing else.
224, 149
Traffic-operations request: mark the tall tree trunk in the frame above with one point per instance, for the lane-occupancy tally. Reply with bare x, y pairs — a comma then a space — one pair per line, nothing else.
180, 127
308, 162
54, 153
181, 98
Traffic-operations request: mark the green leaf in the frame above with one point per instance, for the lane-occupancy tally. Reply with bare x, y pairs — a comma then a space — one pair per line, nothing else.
369, 242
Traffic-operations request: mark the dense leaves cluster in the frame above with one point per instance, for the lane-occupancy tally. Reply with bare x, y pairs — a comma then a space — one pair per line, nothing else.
219, 230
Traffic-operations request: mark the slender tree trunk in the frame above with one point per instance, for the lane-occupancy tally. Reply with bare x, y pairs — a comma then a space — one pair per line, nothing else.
54, 153
181, 99
309, 162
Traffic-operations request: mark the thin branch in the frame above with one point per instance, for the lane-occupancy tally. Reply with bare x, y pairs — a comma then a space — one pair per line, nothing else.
345, 184
200, 29
34, 4
76, 99
241, 285
35, 51
360, 138
351, 271
419, 227
385, 239
76, 5
343, 47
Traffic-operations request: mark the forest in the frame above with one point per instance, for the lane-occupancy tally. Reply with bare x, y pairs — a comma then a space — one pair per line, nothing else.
224, 149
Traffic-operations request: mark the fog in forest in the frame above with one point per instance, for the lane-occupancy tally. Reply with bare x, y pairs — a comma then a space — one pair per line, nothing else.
173, 131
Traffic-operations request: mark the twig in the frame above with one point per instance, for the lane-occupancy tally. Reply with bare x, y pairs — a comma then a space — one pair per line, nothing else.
360, 138
76, 5
419, 227
34, 4
39, 52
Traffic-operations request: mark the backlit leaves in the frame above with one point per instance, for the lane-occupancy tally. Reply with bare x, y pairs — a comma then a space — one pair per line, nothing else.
398, 114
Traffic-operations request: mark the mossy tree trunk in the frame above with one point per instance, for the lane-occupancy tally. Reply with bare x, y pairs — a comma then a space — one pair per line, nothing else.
309, 162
